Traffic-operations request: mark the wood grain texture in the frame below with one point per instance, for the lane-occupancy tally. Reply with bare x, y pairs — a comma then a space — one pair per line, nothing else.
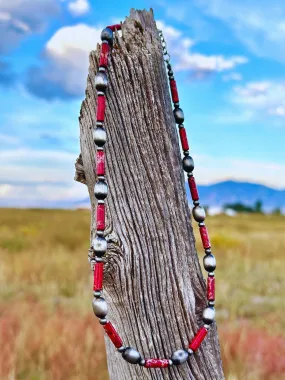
153, 280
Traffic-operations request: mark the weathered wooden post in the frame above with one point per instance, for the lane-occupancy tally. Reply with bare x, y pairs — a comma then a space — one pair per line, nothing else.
153, 281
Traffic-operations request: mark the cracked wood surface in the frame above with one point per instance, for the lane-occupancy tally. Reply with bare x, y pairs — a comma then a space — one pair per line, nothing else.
153, 281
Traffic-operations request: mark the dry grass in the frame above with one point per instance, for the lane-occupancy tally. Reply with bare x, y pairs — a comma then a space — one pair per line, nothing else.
48, 332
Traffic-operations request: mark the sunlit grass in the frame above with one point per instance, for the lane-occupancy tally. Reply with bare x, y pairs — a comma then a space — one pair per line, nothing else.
47, 330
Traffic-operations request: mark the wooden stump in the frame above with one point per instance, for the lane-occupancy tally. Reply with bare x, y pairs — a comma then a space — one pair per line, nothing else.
153, 281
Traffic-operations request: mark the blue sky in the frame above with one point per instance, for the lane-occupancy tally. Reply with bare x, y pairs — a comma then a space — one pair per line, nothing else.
229, 64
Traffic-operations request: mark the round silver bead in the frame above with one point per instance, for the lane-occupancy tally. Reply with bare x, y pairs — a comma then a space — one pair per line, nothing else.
178, 115
199, 213
209, 263
208, 251
190, 352
188, 164
99, 136
142, 362
100, 245
103, 321
179, 356
121, 349
100, 307
101, 81
170, 362
208, 315
211, 303
97, 293
107, 35
101, 190
131, 355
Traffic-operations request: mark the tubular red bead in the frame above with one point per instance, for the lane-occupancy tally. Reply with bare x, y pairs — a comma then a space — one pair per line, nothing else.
98, 277
100, 162
205, 237
105, 49
100, 220
114, 27
101, 106
198, 339
193, 188
174, 91
183, 138
156, 363
113, 335
211, 288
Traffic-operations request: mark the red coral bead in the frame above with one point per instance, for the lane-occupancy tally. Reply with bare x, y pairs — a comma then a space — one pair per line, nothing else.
113, 335
114, 27
183, 138
100, 217
211, 288
174, 91
193, 188
198, 339
101, 106
98, 276
205, 237
100, 162
105, 49
156, 363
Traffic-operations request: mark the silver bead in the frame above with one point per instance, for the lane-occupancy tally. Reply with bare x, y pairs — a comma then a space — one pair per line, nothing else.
196, 203
100, 245
209, 263
142, 362
100, 307
101, 81
103, 321
99, 136
178, 115
211, 303
190, 352
179, 356
188, 164
101, 190
121, 349
199, 213
208, 315
208, 251
131, 355
170, 362
207, 327
107, 35
97, 293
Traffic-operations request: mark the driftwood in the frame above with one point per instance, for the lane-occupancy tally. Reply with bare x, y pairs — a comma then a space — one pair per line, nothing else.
153, 281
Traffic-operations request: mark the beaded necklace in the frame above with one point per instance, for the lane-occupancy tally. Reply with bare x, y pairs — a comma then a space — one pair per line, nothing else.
99, 243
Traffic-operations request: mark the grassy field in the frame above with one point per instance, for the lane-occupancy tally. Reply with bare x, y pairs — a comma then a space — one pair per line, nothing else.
47, 330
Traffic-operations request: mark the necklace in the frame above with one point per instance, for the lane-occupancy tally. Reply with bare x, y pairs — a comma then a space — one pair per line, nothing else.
99, 243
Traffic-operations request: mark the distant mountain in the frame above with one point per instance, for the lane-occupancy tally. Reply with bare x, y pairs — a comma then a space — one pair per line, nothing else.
243, 192
215, 196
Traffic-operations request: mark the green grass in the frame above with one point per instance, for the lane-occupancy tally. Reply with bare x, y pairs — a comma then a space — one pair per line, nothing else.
48, 332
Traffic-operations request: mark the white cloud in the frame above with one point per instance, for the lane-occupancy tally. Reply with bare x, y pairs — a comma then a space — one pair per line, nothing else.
258, 24
67, 59
78, 7
19, 18
40, 178
232, 77
265, 96
200, 65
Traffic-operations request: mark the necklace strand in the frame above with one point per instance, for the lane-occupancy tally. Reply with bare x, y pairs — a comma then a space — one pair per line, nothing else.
99, 243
